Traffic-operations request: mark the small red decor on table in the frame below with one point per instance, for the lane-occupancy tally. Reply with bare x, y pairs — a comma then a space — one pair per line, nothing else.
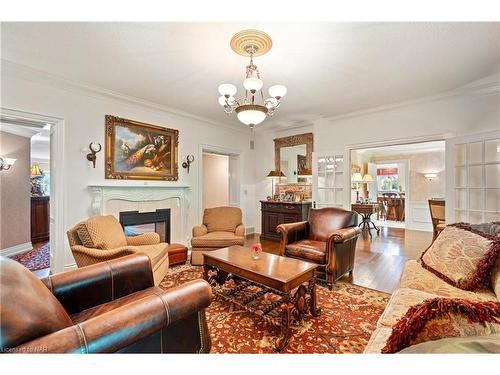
256, 250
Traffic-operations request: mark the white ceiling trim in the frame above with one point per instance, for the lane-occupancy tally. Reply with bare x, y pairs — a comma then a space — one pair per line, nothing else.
35, 75
487, 86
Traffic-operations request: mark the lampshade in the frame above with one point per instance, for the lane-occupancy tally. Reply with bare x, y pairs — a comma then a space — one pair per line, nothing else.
9, 161
227, 89
251, 114
275, 174
367, 178
356, 177
252, 84
277, 91
306, 172
271, 102
222, 100
35, 170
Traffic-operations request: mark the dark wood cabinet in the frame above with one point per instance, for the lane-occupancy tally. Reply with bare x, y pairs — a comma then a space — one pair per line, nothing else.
40, 219
275, 213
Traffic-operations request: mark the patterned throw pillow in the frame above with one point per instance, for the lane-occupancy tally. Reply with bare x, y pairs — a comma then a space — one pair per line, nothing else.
439, 318
462, 257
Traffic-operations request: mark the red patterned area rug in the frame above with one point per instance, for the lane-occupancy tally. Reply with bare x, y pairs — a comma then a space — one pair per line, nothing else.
35, 259
349, 317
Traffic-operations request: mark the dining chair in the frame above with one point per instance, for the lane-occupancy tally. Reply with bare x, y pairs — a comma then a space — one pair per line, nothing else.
437, 210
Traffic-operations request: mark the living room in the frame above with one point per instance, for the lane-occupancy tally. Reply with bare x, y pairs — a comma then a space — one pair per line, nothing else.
226, 179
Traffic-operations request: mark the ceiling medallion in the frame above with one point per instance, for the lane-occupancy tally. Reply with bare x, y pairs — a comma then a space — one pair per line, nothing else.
252, 109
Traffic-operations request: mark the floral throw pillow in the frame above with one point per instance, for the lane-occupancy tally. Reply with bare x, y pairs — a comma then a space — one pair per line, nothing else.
439, 318
462, 257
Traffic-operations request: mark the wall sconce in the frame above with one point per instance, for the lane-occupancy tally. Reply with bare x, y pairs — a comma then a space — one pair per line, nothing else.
430, 176
186, 164
94, 149
6, 163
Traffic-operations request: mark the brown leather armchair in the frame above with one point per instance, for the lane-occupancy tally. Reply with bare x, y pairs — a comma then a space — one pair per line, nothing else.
328, 238
108, 307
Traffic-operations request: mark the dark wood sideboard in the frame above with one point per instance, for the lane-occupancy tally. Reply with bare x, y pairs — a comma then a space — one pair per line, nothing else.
40, 218
275, 213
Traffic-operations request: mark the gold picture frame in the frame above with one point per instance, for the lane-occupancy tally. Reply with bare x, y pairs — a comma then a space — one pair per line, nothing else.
139, 151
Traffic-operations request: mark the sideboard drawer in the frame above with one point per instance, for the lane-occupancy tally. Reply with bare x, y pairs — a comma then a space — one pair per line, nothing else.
274, 207
291, 208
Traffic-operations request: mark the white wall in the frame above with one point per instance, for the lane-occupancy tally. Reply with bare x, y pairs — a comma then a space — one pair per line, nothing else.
83, 112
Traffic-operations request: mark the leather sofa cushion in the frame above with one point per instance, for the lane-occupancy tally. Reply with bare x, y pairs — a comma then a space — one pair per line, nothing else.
32, 310
217, 239
222, 219
101, 232
314, 251
324, 221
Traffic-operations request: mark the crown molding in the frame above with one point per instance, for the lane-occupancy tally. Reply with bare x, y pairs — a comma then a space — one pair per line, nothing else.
40, 76
484, 87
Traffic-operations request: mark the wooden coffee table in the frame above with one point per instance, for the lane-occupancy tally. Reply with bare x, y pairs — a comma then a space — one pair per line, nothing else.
293, 280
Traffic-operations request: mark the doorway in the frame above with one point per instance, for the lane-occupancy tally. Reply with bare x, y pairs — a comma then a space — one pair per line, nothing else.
400, 179
38, 189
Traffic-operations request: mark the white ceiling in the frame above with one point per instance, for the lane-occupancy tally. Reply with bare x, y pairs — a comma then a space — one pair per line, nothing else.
329, 68
38, 134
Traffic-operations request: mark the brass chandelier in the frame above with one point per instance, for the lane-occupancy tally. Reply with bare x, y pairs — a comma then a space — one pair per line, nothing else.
253, 108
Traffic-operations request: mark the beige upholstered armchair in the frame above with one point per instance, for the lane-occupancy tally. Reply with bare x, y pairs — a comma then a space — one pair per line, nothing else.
222, 227
101, 238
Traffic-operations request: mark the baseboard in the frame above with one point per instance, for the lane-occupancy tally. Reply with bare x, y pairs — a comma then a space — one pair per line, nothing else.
15, 250
249, 230
69, 267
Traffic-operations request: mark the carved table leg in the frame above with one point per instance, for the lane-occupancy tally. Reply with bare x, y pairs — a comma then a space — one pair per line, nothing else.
286, 311
315, 310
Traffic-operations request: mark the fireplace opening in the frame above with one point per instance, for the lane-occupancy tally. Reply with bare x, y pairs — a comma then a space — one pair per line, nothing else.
135, 223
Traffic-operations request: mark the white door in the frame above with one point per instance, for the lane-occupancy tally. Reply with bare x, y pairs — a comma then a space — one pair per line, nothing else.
372, 186
53, 192
473, 178
328, 184
234, 181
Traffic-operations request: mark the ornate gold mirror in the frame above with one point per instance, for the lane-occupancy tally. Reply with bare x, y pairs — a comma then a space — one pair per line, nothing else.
293, 156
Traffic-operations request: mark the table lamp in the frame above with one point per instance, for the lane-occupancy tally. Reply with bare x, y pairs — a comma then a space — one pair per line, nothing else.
274, 175
357, 178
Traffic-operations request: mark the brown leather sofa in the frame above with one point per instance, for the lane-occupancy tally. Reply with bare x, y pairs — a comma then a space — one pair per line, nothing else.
101, 238
222, 227
108, 307
328, 238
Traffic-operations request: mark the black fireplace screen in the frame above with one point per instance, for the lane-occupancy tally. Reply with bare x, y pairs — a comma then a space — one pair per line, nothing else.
135, 223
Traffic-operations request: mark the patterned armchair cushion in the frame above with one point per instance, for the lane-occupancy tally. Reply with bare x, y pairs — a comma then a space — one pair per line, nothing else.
416, 277
101, 232
439, 318
462, 257
217, 240
222, 219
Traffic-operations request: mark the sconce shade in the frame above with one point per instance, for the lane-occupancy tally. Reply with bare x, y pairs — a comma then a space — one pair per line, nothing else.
430, 176
35, 170
356, 177
6, 163
275, 174
367, 178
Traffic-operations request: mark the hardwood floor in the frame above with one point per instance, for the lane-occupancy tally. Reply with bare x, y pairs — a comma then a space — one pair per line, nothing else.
379, 260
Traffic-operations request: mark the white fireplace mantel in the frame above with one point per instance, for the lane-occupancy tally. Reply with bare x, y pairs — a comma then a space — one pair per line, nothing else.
140, 191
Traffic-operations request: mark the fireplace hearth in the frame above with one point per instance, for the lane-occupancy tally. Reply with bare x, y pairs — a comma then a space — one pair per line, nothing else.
135, 223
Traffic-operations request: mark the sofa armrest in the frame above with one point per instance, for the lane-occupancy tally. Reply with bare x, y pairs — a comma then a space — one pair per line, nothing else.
240, 231
85, 256
150, 238
291, 232
200, 230
99, 283
119, 328
344, 234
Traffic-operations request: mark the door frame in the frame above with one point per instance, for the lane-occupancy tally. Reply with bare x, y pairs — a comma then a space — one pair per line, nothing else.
57, 191
392, 142
206, 148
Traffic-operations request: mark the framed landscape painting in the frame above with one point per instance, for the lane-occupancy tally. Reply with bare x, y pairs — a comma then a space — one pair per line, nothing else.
135, 150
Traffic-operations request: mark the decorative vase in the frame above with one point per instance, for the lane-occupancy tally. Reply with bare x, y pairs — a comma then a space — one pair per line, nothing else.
256, 249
